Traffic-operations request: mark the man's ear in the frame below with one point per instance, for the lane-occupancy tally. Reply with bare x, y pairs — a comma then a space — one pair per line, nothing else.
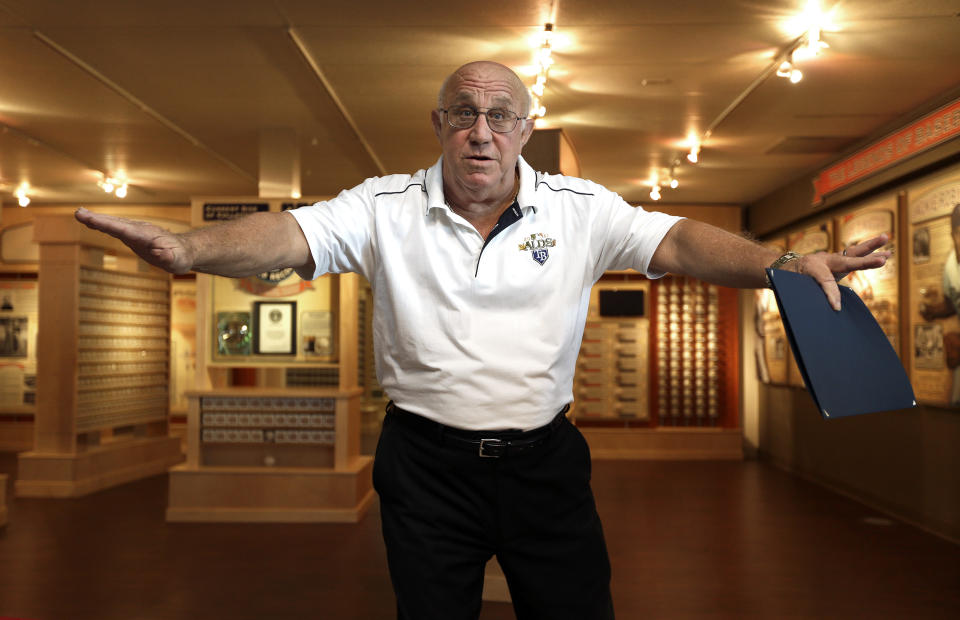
527, 131
436, 120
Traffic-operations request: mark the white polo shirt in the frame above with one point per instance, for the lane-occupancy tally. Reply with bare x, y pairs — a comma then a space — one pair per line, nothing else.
475, 335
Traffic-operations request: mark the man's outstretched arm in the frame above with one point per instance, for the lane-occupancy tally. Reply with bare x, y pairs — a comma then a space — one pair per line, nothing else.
713, 255
253, 244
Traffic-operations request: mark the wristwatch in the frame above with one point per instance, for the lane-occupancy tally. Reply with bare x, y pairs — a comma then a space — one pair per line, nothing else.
780, 262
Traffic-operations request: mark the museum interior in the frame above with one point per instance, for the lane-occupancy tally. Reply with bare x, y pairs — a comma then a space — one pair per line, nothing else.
195, 446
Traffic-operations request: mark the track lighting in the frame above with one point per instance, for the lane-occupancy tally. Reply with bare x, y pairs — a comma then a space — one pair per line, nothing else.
114, 185
543, 59
22, 198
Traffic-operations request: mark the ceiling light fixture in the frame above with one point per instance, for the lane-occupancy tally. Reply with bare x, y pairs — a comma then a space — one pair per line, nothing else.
22, 198
655, 193
543, 60
789, 71
694, 155
114, 185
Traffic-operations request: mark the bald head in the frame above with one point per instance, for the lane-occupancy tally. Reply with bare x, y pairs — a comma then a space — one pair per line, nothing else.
485, 70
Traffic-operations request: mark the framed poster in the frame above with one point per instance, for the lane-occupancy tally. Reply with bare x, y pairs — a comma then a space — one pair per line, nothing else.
275, 327
934, 289
772, 349
817, 237
878, 288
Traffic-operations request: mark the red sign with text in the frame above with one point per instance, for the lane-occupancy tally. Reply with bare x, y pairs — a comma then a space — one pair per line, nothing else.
917, 137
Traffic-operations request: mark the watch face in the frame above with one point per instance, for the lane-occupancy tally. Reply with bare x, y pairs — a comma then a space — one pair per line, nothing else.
275, 276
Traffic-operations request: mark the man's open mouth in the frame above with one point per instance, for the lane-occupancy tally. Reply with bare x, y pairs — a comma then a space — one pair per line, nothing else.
479, 158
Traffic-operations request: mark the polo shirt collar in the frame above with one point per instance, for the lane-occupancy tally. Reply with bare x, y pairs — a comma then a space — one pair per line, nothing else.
525, 197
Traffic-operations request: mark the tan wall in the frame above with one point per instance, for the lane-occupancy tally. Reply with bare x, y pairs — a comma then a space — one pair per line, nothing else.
903, 462
727, 217
906, 463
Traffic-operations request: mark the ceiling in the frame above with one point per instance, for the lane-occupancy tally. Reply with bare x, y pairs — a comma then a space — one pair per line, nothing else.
180, 94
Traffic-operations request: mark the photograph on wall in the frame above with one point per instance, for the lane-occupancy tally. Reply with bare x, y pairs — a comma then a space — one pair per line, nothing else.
771, 339
234, 333
18, 368
878, 288
275, 327
316, 334
810, 240
934, 291
13, 336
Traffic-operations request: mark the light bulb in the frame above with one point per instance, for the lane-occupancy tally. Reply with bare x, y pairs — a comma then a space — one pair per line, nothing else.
107, 187
694, 155
23, 200
121, 191
674, 184
655, 193
795, 76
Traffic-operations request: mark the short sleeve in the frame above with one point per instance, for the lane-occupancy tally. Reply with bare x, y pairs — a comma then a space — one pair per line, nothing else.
339, 232
628, 236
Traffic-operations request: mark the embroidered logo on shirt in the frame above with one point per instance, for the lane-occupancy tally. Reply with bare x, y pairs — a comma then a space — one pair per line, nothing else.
538, 245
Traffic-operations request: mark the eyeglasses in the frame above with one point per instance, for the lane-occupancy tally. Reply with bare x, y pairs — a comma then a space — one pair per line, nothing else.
499, 120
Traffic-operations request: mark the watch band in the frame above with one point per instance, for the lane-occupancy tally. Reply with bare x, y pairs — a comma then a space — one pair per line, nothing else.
780, 262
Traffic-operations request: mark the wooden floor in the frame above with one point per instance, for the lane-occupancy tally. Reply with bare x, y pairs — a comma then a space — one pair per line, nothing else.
687, 540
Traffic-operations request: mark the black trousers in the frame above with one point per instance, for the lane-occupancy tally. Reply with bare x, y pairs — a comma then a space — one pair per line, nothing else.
446, 510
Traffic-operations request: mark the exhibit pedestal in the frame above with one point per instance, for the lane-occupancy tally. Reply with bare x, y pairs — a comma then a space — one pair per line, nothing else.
274, 495
272, 455
103, 343
72, 475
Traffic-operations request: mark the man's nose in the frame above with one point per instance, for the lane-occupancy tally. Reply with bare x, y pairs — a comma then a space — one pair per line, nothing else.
481, 132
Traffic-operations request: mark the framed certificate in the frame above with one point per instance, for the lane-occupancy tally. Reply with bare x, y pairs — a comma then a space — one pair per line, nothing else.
275, 328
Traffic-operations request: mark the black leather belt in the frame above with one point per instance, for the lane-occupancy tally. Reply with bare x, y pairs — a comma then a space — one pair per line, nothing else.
486, 444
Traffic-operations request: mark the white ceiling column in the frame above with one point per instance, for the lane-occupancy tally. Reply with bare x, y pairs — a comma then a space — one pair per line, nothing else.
279, 163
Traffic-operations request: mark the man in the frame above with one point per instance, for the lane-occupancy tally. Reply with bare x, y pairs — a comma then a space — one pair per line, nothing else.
481, 271
949, 305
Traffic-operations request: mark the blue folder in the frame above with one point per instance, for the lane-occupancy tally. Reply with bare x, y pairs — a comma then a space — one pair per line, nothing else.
846, 360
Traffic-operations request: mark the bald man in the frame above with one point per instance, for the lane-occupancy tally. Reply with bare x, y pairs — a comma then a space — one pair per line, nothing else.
481, 270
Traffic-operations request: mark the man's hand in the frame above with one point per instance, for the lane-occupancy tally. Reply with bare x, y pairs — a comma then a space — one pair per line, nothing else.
155, 245
828, 268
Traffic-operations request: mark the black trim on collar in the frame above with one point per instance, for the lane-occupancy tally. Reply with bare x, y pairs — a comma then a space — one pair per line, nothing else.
512, 215
422, 186
562, 189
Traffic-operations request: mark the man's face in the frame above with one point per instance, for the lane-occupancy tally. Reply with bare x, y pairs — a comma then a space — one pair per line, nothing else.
478, 160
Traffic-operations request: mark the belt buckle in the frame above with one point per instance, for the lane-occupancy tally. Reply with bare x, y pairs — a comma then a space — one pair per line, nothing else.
492, 448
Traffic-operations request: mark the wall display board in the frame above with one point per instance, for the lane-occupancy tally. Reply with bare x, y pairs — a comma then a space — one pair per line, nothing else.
815, 238
18, 344
878, 288
288, 320
772, 349
934, 290
103, 364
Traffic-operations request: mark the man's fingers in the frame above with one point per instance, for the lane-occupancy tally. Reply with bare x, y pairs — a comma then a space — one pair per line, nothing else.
868, 246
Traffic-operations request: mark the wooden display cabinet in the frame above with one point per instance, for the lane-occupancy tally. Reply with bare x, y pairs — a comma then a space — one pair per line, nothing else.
274, 436
102, 366
657, 376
